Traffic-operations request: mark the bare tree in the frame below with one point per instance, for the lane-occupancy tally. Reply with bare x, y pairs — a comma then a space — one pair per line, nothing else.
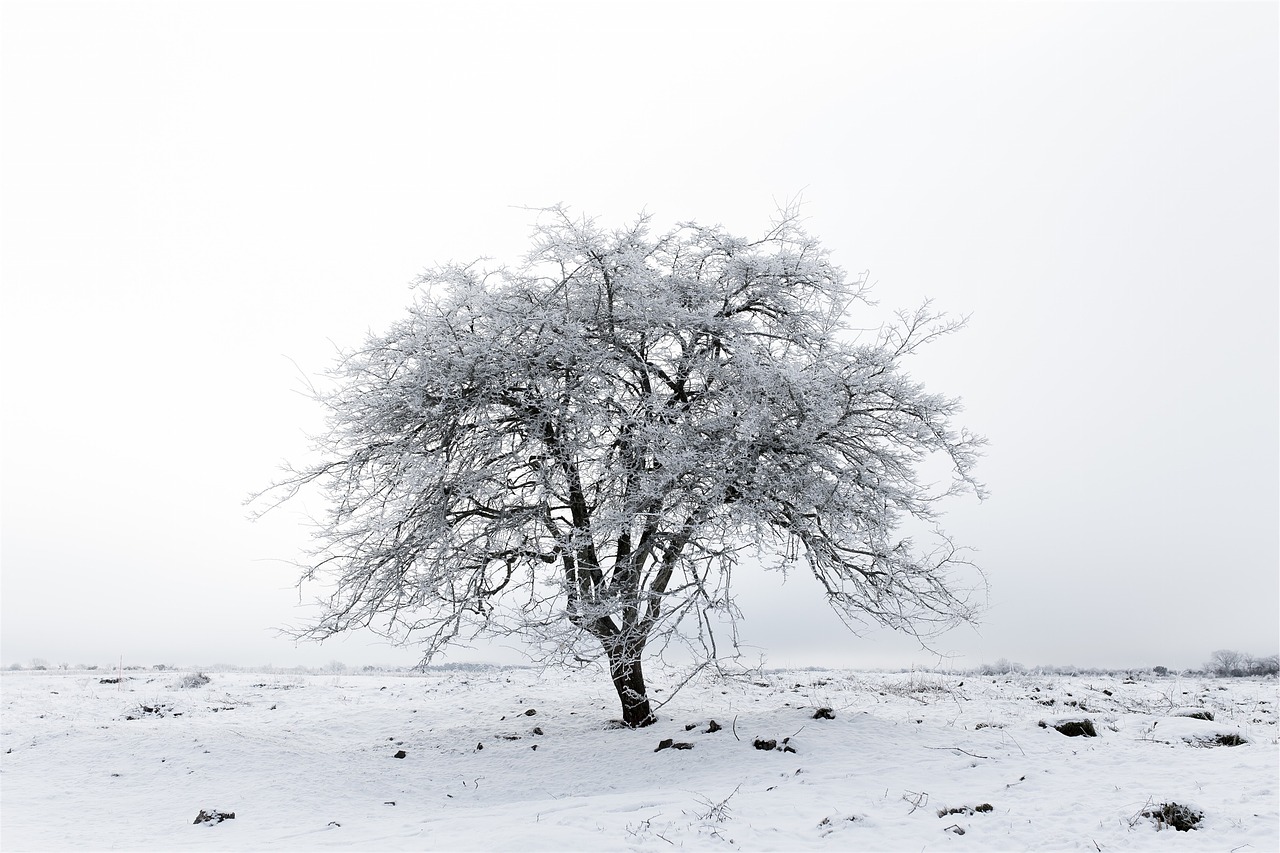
579, 449
1227, 662
1230, 663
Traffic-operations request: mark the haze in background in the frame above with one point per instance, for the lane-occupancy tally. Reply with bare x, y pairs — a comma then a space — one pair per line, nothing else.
201, 200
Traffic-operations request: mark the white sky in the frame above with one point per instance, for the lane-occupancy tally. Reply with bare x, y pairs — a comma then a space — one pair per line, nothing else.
197, 195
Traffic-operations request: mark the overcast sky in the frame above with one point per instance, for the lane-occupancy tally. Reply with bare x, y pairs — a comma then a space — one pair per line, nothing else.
200, 200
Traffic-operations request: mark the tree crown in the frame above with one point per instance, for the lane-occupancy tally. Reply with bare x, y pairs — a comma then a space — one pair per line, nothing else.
590, 440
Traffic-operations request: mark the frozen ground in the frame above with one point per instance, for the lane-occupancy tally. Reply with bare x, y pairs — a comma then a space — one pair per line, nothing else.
516, 759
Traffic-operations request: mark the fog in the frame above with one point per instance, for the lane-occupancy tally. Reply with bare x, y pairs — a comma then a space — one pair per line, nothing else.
202, 201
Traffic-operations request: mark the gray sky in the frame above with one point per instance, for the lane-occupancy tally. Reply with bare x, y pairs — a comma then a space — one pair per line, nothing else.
197, 196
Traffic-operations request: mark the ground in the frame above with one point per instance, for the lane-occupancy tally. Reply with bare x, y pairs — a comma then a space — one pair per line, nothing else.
504, 759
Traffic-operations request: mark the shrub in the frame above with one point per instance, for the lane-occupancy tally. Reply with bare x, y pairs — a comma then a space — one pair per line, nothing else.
190, 682
1180, 817
1265, 666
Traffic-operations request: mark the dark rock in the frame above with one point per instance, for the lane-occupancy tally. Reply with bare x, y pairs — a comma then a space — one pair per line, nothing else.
682, 746
530, 712
690, 727
537, 730
400, 753
1073, 728
213, 816
824, 714
665, 743
713, 727
760, 743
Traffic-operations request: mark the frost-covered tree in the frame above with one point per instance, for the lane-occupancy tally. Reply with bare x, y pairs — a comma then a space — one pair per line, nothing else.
580, 449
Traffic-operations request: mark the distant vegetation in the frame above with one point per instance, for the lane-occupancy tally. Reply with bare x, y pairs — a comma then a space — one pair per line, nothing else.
1227, 663
1223, 663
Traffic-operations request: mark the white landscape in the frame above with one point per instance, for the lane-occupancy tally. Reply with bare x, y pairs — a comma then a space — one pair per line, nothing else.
518, 758
622, 336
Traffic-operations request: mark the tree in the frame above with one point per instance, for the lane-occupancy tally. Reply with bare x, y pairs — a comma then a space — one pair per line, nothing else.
580, 449
1227, 663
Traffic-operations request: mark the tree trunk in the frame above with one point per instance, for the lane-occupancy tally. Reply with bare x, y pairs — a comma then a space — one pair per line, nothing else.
628, 680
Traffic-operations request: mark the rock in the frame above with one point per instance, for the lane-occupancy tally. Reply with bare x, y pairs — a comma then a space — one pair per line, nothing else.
760, 743
213, 816
664, 744
824, 714
1194, 714
713, 727
400, 753
1072, 726
530, 712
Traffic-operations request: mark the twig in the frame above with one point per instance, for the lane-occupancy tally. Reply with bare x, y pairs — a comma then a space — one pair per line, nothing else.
681, 686
921, 799
1015, 743
734, 726
958, 749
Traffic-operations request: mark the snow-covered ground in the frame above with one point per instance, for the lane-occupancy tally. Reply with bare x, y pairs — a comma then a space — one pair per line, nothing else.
518, 759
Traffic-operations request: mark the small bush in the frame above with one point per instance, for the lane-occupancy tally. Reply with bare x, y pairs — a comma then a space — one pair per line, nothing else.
190, 682
1180, 817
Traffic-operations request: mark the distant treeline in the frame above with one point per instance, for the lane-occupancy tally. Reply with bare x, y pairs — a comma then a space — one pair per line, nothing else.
1224, 663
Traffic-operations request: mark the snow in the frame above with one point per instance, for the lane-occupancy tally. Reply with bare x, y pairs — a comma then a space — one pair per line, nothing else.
307, 762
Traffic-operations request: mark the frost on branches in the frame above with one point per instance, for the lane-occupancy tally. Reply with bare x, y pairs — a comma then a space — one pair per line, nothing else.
579, 449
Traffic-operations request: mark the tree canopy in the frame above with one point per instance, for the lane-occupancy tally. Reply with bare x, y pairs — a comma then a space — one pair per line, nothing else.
581, 447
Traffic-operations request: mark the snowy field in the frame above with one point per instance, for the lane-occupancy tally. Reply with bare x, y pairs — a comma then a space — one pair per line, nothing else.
517, 759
